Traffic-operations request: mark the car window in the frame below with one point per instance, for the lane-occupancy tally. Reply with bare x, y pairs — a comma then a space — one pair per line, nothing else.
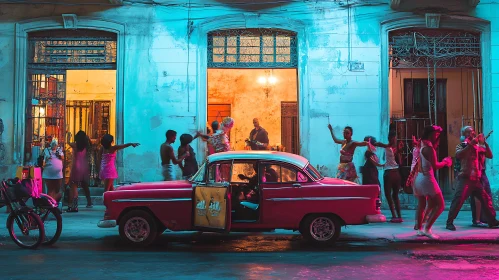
219, 172
243, 172
275, 173
271, 173
313, 172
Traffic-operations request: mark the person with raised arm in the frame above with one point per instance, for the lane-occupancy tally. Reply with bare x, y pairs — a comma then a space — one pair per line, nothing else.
346, 168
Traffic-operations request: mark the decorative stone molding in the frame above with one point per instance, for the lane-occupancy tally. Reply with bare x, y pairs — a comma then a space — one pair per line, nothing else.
70, 21
432, 20
20, 74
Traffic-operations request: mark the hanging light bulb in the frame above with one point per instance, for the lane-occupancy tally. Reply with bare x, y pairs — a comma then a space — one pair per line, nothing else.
262, 80
272, 80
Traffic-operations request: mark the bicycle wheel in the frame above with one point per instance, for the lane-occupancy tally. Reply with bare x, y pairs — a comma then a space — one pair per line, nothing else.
26, 229
52, 222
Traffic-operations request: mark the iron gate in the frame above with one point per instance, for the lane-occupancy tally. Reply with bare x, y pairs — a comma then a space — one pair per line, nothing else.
45, 108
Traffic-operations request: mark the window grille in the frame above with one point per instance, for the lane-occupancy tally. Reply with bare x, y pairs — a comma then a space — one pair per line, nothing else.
252, 48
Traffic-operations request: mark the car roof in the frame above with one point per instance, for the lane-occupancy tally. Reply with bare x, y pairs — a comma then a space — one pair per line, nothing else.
260, 155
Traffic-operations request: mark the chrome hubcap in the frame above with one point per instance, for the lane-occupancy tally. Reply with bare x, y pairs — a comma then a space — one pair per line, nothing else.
137, 229
322, 229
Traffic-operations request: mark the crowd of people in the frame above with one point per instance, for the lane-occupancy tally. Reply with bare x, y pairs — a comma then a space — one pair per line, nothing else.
469, 166
53, 164
470, 178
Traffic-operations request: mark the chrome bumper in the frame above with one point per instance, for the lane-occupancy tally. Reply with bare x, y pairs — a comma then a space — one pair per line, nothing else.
106, 223
378, 218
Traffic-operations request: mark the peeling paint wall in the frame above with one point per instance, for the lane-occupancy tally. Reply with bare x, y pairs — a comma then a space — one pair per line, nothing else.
161, 71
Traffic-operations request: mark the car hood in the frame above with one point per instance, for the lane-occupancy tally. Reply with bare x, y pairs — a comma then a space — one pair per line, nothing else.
181, 184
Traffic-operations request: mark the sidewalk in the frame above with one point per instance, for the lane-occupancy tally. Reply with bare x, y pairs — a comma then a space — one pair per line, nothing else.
83, 226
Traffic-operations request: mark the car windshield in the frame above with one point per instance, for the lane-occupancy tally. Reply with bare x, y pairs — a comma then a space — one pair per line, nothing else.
313, 172
199, 177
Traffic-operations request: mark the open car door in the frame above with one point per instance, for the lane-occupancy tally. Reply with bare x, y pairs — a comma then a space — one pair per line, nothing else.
212, 202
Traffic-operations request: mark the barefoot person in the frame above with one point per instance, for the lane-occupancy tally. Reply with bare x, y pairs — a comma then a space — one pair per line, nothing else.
391, 177
346, 168
426, 188
168, 159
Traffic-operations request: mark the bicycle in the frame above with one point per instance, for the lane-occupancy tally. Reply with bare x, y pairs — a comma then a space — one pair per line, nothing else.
32, 231
48, 210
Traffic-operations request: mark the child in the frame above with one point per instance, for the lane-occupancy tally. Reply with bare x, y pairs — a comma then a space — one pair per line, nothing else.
190, 165
107, 161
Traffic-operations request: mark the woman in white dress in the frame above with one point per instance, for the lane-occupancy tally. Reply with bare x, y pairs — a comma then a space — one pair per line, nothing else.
426, 188
52, 170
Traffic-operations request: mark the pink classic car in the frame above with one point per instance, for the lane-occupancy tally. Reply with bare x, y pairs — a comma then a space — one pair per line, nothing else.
244, 190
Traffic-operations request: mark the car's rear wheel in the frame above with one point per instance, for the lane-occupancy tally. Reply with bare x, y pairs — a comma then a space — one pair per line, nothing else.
138, 228
321, 229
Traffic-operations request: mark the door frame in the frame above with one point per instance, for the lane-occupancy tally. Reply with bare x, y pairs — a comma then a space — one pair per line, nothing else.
253, 20
20, 74
465, 23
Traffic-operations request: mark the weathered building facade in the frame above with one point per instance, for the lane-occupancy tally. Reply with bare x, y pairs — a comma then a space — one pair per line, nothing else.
163, 65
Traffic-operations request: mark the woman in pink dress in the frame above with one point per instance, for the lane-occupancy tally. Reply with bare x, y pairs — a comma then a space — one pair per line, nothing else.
80, 171
108, 171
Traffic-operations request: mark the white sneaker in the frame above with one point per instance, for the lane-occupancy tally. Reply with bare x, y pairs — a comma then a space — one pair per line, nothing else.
420, 233
430, 234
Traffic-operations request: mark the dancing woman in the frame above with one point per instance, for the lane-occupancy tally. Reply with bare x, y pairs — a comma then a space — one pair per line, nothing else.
426, 188
346, 168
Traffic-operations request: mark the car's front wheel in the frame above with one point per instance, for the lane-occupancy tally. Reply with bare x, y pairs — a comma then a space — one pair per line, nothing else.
138, 228
321, 229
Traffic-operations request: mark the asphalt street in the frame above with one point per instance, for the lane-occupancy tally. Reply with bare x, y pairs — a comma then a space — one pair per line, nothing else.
87, 252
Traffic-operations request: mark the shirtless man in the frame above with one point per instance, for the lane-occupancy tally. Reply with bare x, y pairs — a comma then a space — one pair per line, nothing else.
168, 158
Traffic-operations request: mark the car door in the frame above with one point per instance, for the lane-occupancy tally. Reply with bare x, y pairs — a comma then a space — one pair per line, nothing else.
212, 199
282, 194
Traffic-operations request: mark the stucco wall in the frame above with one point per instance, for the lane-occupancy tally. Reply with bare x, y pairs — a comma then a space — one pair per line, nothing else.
161, 71
250, 99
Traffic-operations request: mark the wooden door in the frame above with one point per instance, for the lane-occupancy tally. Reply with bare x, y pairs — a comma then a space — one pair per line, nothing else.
416, 109
217, 112
289, 126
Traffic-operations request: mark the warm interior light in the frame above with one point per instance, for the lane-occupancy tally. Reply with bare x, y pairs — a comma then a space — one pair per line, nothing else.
272, 80
262, 80
42, 111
